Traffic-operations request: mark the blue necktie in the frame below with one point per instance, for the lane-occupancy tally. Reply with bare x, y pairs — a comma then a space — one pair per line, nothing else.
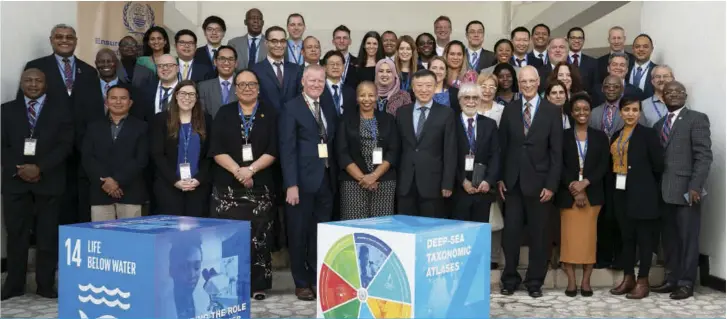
637, 76
252, 54
225, 92
336, 99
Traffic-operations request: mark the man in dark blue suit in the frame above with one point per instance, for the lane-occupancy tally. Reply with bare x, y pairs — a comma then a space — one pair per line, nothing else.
520, 38
587, 65
618, 66
279, 80
307, 128
214, 31
640, 71
343, 97
189, 68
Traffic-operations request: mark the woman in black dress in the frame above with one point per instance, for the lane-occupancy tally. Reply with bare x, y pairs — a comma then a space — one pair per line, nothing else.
370, 52
244, 144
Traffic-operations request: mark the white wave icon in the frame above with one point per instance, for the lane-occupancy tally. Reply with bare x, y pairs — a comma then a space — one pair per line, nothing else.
84, 316
115, 303
96, 290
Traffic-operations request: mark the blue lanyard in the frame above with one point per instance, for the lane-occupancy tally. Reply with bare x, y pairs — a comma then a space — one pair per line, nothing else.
621, 147
582, 152
345, 68
470, 137
187, 136
405, 85
653, 101
245, 125
296, 55
381, 103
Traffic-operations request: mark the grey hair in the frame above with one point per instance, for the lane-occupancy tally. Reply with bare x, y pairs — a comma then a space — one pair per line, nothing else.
617, 55
313, 67
61, 26
662, 66
468, 89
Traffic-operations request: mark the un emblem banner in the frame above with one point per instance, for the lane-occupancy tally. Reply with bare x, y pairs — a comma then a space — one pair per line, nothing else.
101, 24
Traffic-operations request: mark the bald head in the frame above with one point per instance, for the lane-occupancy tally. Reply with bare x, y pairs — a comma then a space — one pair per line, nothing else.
32, 83
529, 81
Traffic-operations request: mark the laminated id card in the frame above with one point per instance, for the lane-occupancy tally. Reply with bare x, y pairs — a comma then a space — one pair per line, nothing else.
621, 181
246, 152
378, 156
469, 163
29, 147
185, 171
322, 150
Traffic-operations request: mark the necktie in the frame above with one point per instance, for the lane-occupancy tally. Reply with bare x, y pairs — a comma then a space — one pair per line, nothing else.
527, 118
540, 56
225, 92
519, 62
185, 71
575, 60
609, 120
474, 59
165, 99
471, 133
68, 73
279, 73
420, 123
252, 54
319, 121
637, 76
666, 129
32, 114
214, 52
336, 99
105, 90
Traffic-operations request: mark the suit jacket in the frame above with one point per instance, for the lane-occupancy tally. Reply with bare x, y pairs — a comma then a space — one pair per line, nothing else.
599, 98
429, 163
603, 65
55, 138
648, 87
203, 57
544, 72
533, 159
124, 159
487, 149
594, 167
597, 117
210, 94
242, 47
485, 59
143, 77
299, 139
537, 63
350, 103
348, 144
588, 70
687, 155
270, 89
200, 71
287, 55
645, 165
351, 79
531, 56
144, 106
164, 149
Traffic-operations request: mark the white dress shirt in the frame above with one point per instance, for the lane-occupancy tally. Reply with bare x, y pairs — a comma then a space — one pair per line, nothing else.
311, 106
645, 68
330, 85
676, 115
158, 96
275, 68
474, 124
544, 53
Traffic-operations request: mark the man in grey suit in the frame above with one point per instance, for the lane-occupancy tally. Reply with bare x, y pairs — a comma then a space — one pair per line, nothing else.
606, 117
249, 47
214, 93
685, 136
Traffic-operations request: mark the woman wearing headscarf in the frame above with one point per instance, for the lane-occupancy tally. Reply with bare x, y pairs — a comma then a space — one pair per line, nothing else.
389, 95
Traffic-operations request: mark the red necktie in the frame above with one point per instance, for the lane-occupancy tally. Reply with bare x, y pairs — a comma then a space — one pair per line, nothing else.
575, 59
68, 73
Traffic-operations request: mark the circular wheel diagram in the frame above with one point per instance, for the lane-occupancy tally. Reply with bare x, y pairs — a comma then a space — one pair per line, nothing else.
362, 278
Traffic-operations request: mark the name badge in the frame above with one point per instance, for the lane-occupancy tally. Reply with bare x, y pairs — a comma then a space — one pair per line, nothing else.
322, 150
247, 152
29, 147
378, 156
621, 181
469, 163
185, 171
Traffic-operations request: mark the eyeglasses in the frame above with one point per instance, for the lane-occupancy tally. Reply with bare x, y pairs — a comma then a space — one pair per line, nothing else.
247, 85
166, 65
187, 95
345, 38
659, 77
223, 59
334, 65
488, 87
674, 92
213, 30
187, 43
67, 37
470, 98
276, 41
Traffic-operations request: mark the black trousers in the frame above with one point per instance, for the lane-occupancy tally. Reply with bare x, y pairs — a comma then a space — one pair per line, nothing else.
681, 243
71, 209
22, 214
302, 220
635, 234
172, 201
519, 209
414, 204
471, 207
608, 237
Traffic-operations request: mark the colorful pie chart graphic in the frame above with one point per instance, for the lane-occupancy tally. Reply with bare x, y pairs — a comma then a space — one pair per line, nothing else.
362, 277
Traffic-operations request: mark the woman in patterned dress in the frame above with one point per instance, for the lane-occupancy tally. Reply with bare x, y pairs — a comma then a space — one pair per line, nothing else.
244, 144
367, 146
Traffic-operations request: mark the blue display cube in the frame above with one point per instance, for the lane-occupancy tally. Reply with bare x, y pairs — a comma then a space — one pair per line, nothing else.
155, 267
403, 267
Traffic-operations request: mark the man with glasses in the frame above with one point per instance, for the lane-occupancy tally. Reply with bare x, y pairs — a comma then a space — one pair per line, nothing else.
477, 57
587, 65
341, 96
279, 80
128, 52
214, 31
216, 92
653, 107
185, 42
155, 98
342, 41
618, 66
250, 47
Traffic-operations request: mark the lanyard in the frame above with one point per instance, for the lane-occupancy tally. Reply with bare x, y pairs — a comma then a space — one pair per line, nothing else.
295, 55
653, 101
582, 152
381, 103
621, 147
470, 137
345, 68
187, 136
245, 125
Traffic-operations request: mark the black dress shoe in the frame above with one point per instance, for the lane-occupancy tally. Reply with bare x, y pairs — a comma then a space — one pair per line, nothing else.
683, 292
571, 293
666, 287
586, 293
535, 292
7, 294
507, 291
50, 294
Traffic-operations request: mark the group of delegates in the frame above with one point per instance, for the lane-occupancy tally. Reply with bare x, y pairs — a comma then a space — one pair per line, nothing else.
427, 127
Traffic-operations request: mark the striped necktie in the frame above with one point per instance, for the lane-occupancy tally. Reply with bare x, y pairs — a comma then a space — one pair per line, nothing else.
527, 118
32, 114
68, 74
666, 129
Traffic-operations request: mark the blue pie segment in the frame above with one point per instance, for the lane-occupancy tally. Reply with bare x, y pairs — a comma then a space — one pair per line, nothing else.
391, 282
365, 312
371, 254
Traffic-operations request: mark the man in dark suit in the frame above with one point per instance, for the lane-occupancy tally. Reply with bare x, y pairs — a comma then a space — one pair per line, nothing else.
155, 98
685, 135
128, 52
520, 38
307, 126
185, 42
617, 43
214, 31
640, 70
279, 81
587, 65
557, 52
341, 96
477, 57
311, 51
428, 151
296, 29
219, 91
34, 153
250, 48
73, 82
342, 42
531, 135
540, 38
618, 66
